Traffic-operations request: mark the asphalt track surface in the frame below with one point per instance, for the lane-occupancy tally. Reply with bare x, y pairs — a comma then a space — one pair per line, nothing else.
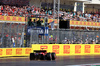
60, 61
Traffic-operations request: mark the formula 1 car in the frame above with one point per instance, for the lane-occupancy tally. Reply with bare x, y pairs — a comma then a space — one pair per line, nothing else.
42, 55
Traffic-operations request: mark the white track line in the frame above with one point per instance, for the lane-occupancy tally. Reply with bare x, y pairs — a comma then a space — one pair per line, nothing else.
84, 64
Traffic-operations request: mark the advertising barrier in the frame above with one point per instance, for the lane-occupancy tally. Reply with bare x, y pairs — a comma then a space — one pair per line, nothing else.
6, 52
84, 23
69, 49
59, 49
12, 18
77, 23
21, 19
72, 23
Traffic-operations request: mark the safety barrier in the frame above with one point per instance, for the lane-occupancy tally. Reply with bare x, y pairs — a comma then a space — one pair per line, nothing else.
7, 52
69, 49
59, 49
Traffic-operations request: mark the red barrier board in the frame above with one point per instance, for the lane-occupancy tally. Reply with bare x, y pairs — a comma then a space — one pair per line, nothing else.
27, 51
1, 17
55, 48
97, 49
8, 51
77, 48
87, 49
66, 49
18, 51
1, 51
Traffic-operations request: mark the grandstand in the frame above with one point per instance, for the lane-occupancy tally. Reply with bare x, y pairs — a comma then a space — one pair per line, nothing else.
73, 10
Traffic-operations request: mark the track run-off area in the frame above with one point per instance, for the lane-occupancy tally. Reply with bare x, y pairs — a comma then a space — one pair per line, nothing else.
60, 61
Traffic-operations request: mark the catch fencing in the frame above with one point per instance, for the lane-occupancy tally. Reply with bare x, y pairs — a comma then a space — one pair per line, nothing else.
65, 36
11, 35
14, 35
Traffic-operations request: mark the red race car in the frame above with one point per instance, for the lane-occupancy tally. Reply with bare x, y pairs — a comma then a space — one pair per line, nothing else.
42, 55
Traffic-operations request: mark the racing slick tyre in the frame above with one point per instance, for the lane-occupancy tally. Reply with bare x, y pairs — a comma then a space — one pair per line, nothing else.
42, 57
32, 56
53, 56
48, 56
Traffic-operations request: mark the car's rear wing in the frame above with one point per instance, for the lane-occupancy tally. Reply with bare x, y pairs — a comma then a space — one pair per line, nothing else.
38, 51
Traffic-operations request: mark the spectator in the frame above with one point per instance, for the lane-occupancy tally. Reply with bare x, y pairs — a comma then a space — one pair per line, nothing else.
34, 23
0, 13
39, 23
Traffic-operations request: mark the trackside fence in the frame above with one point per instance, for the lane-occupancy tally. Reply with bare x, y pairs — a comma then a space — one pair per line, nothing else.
14, 35
65, 36
11, 35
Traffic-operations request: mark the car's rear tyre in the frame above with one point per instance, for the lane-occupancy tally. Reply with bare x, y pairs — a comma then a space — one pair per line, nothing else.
32, 56
42, 57
53, 56
48, 56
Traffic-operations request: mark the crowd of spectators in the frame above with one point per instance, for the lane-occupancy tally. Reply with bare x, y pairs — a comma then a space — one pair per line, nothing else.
7, 10
79, 16
87, 41
68, 41
74, 40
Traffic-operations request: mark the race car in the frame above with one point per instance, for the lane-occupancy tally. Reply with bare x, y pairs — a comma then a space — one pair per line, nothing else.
42, 55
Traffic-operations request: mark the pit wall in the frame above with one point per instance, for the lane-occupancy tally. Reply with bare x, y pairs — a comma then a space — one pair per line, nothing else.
59, 49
